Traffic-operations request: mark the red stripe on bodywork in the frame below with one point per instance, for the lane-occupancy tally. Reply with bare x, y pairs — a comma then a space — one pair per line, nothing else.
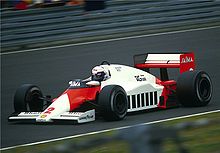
81, 95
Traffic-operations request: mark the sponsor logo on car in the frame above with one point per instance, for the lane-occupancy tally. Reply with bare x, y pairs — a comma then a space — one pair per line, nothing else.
86, 117
43, 116
187, 60
32, 113
75, 84
140, 78
118, 69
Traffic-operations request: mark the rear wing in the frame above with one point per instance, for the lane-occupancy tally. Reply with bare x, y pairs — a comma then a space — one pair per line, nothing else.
183, 61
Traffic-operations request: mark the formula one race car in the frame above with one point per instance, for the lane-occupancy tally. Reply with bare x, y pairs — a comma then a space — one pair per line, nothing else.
113, 90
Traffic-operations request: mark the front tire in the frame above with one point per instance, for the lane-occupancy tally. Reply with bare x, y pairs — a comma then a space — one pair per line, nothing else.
27, 99
113, 102
194, 88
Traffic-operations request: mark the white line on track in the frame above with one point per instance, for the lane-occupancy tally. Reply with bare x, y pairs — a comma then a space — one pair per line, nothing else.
110, 40
113, 129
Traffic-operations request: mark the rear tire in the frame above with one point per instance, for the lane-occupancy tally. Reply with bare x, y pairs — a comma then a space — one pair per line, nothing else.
27, 99
194, 88
113, 102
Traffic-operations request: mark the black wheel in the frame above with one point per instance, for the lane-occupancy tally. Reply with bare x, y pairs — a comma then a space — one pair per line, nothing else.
27, 98
113, 102
194, 88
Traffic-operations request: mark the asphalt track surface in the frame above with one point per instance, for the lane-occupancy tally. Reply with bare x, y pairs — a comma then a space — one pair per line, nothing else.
51, 69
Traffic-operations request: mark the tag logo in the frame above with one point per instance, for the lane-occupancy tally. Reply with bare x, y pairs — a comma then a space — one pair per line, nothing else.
140, 78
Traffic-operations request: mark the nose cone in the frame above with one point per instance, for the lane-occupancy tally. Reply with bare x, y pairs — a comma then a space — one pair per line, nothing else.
68, 101
59, 106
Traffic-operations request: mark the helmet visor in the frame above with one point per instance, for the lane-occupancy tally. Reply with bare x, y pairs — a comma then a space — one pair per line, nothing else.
98, 76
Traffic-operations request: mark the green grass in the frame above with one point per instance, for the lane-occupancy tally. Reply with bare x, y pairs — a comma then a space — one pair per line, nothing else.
202, 139
198, 140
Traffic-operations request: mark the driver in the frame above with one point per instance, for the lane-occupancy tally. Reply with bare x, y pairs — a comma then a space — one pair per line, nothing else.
99, 73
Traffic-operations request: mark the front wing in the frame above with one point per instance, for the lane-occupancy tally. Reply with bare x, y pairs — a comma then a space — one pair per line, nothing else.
79, 117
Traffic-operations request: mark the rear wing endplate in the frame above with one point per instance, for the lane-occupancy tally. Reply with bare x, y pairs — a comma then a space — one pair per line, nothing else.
183, 61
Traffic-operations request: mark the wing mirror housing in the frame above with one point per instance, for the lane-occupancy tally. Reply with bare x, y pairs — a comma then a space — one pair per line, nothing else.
93, 83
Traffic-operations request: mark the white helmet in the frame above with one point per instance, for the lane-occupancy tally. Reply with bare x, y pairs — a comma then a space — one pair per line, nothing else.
99, 73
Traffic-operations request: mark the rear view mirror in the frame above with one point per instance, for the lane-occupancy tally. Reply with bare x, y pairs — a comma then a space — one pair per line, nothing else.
93, 83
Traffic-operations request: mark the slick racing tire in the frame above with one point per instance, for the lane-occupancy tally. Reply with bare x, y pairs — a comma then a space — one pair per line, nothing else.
194, 88
113, 103
27, 98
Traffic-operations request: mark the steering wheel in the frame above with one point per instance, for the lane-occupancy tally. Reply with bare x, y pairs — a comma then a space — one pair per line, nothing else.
105, 62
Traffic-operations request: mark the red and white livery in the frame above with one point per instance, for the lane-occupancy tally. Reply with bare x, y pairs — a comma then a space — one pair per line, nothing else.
113, 90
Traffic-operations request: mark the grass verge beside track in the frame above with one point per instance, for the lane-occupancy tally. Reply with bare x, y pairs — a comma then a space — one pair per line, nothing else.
199, 139
202, 137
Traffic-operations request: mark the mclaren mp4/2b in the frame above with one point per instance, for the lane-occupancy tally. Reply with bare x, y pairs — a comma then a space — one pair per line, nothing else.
113, 90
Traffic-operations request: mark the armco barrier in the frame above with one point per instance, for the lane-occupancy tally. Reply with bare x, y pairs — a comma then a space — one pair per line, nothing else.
43, 26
